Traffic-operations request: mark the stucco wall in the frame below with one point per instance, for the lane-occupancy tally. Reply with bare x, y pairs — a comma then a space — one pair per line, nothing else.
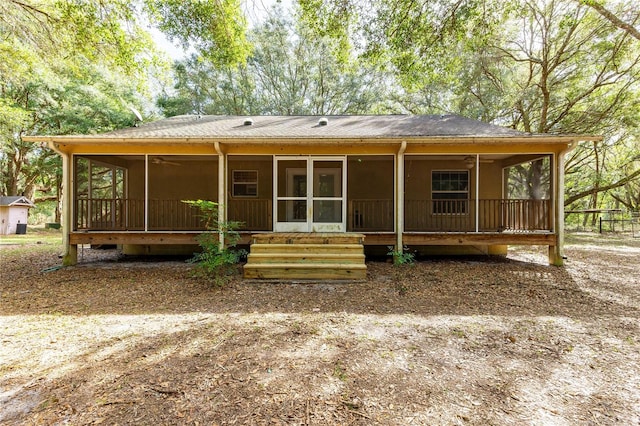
370, 177
194, 178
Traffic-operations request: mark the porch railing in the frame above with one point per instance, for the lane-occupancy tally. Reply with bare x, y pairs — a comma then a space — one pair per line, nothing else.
494, 215
370, 215
253, 214
118, 214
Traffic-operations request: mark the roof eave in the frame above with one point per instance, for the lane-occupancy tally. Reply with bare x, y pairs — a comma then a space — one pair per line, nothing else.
543, 138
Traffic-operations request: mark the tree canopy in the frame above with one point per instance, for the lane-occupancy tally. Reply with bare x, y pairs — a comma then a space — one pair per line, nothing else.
541, 66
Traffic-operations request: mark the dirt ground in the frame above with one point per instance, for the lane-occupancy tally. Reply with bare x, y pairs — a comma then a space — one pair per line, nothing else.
483, 340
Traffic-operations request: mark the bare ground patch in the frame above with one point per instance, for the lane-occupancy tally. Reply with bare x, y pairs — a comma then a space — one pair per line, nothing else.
445, 341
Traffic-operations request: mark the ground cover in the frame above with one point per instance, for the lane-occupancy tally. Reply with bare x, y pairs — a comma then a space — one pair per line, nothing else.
482, 340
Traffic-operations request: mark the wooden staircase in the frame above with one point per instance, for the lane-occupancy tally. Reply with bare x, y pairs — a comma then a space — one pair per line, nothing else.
306, 256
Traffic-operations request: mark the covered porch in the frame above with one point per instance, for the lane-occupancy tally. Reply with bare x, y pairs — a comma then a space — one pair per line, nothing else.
423, 200
367, 194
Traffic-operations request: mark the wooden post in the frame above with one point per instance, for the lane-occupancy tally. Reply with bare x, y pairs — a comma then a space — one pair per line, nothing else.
70, 256
556, 253
400, 196
222, 191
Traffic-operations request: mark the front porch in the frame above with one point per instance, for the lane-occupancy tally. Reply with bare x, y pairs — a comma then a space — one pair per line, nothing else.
415, 200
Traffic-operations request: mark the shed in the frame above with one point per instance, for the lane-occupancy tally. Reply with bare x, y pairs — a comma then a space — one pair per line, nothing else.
13, 212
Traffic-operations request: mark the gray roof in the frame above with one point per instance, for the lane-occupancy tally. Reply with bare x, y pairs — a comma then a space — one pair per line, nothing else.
357, 126
15, 200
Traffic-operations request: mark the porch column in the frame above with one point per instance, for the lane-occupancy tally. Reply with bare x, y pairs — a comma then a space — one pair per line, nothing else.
70, 256
477, 207
400, 196
556, 253
222, 191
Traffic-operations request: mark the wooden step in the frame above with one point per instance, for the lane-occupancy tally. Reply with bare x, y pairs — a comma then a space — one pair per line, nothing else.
307, 248
305, 257
288, 271
300, 256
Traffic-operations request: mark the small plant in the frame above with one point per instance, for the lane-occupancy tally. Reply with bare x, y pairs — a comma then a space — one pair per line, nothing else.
339, 372
217, 261
401, 257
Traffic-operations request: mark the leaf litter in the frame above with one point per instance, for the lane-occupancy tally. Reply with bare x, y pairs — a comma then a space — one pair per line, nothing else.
443, 341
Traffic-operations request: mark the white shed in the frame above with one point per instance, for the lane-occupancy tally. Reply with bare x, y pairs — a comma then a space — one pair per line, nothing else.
13, 212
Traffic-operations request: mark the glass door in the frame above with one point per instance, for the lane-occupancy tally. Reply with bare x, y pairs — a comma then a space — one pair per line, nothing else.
309, 194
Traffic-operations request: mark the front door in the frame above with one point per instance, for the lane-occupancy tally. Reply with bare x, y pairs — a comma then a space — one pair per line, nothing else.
309, 195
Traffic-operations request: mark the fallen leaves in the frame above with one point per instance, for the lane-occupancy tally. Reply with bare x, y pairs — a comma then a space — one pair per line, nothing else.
483, 340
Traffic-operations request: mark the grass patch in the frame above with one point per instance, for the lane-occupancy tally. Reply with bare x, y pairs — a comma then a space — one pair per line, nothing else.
33, 236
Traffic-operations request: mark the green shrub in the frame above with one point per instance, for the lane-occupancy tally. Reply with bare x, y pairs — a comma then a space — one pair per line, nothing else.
401, 257
216, 262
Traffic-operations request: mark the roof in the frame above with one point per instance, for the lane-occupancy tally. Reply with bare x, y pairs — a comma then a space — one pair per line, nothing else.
16, 201
233, 128
362, 126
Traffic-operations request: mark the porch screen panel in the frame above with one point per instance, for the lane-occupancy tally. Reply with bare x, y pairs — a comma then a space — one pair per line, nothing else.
370, 189
108, 192
439, 195
528, 188
174, 179
250, 198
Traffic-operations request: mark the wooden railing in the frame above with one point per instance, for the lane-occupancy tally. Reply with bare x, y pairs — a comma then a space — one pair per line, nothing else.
174, 215
254, 214
494, 215
439, 215
109, 214
105, 214
525, 215
370, 216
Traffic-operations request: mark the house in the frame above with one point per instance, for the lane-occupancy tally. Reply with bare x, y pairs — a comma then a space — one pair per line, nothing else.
436, 183
13, 214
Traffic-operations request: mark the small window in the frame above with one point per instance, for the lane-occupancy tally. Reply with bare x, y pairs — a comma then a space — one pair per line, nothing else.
245, 183
450, 192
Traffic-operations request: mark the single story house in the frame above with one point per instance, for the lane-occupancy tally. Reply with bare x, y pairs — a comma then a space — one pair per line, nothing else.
14, 211
436, 183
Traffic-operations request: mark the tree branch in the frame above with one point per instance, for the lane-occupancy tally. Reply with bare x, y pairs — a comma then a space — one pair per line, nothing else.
630, 29
596, 190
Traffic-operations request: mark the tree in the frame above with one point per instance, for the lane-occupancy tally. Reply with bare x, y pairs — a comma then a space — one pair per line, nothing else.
54, 80
79, 66
289, 72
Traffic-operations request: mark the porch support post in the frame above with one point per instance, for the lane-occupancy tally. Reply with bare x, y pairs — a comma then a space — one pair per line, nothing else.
146, 192
556, 253
400, 196
222, 191
477, 208
70, 256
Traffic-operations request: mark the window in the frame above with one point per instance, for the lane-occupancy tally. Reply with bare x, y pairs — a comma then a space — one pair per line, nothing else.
245, 183
450, 191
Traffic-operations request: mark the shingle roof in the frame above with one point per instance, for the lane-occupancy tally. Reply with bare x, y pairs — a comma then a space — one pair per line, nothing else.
360, 126
15, 200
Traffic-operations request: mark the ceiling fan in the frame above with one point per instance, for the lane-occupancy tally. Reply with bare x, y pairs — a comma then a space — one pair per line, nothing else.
163, 162
471, 160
